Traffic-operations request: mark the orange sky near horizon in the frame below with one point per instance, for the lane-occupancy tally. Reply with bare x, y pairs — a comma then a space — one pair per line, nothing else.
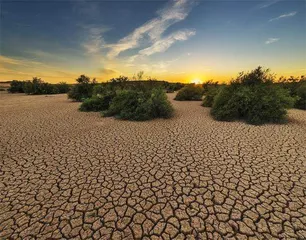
23, 69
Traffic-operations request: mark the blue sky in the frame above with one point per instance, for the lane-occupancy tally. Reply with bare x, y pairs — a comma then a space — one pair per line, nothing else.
172, 40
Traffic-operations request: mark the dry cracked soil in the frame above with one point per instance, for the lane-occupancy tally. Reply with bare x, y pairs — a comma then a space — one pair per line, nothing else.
66, 174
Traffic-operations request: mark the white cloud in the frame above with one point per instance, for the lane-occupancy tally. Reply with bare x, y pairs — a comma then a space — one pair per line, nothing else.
163, 44
268, 3
291, 14
175, 11
94, 42
271, 40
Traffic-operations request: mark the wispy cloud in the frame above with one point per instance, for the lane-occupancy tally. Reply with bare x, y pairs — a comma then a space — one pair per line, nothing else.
268, 3
37, 53
174, 12
95, 41
163, 44
22, 68
271, 40
291, 14
4, 60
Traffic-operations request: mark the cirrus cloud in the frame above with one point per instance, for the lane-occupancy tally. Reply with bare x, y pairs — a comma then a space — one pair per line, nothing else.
291, 14
271, 40
174, 12
163, 44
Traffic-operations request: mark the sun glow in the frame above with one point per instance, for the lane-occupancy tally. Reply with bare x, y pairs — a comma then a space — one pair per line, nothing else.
196, 81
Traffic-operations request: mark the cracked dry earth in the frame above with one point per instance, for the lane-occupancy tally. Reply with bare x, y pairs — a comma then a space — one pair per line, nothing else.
67, 174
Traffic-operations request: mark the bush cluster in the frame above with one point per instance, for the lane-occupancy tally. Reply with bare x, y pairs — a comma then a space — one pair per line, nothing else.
254, 98
135, 100
190, 92
173, 87
37, 86
16, 86
140, 105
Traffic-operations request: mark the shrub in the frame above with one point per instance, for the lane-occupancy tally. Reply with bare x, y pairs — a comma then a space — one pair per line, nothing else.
301, 96
16, 87
172, 87
209, 95
190, 93
96, 103
100, 89
140, 105
254, 98
62, 87
83, 89
38, 86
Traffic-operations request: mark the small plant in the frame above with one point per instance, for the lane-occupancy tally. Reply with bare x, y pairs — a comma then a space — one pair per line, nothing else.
190, 93
254, 98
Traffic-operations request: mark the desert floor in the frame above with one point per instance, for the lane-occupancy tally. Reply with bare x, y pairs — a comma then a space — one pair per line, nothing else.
64, 174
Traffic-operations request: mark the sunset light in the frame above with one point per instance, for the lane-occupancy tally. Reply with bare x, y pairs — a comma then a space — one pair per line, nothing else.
196, 81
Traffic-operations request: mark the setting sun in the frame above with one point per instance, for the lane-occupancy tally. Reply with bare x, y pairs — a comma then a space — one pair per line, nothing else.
196, 81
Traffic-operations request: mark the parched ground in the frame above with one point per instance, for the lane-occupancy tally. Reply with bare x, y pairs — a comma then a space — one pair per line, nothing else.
67, 174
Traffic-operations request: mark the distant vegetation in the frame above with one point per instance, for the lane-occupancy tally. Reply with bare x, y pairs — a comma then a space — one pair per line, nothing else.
190, 92
255, 97
126, 99
37, 86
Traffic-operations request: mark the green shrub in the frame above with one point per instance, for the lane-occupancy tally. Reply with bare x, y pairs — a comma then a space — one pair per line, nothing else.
16, 87
140, 105
254, 98
172, 87
38, 86
62, 87
210, 95
190, 93
301, 96
96, 103
83, 89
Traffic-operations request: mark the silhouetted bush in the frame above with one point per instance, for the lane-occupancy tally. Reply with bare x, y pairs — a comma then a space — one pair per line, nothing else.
2, 89
254, 98
16, 87
190, 93
172, 87
140, 105
38, 86
62, 87
83, 89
